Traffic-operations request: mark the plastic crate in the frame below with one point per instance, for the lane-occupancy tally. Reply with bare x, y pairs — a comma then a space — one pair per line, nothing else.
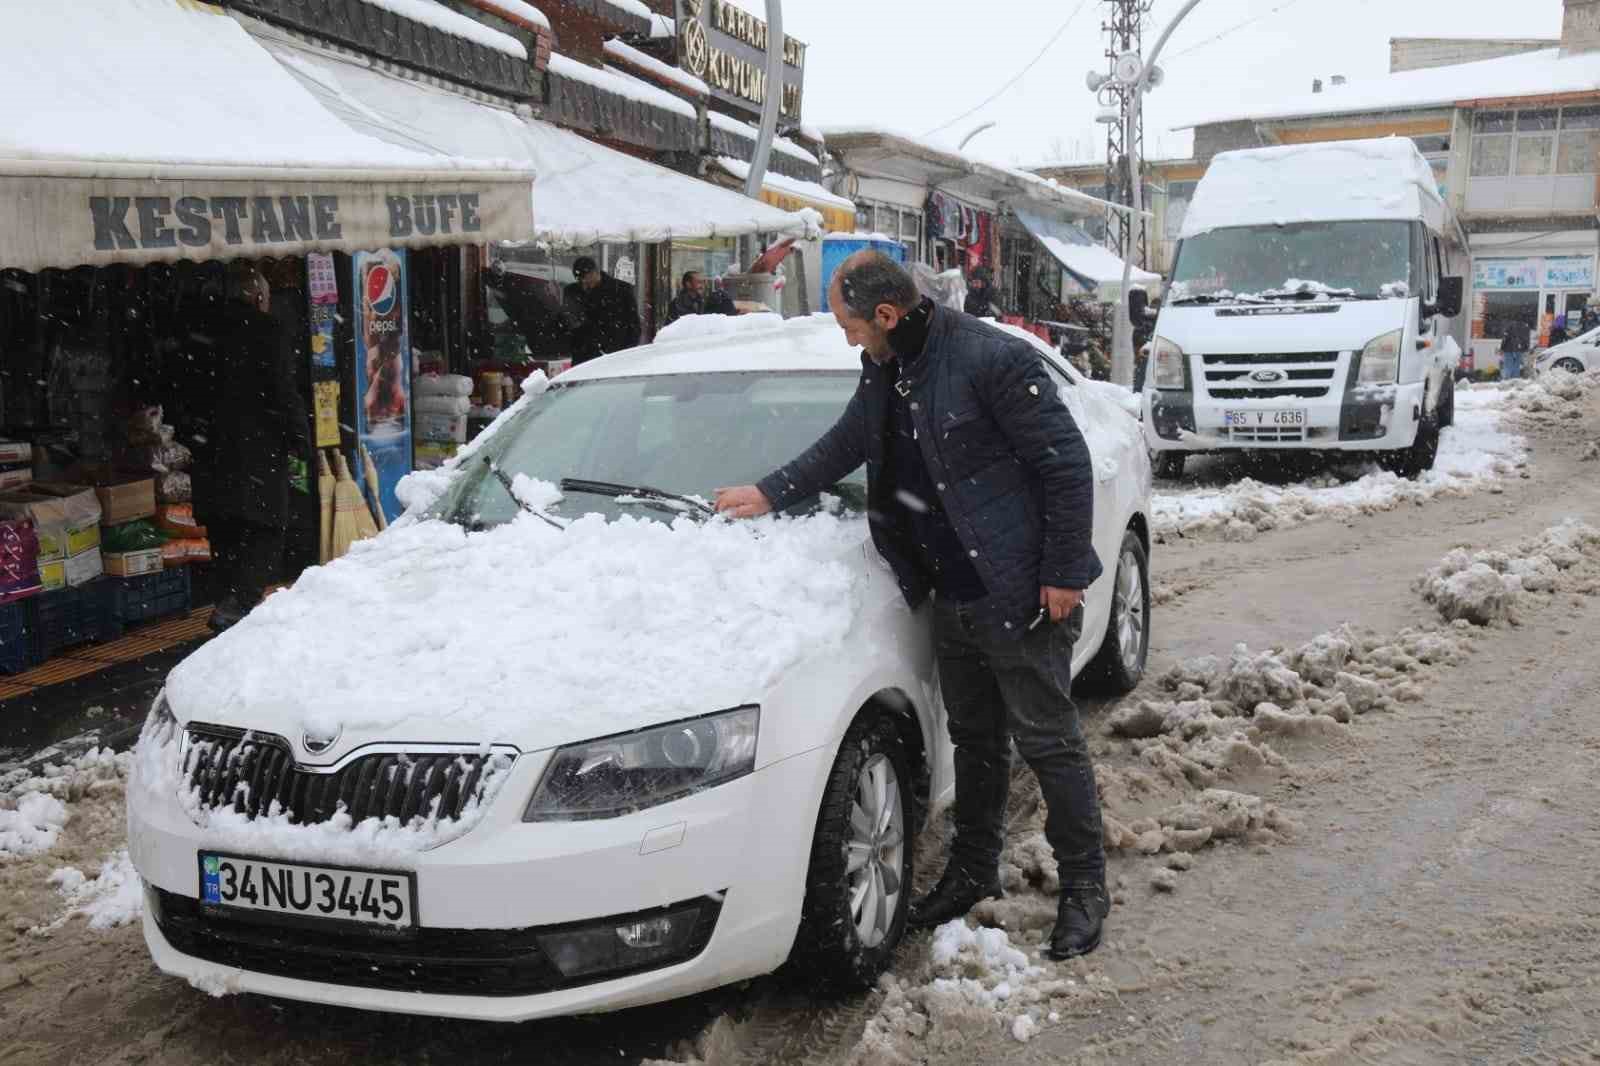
14, 657
147, 596
74, 615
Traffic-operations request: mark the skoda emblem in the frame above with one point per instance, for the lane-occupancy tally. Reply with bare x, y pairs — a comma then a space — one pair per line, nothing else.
1267, 377
317, 743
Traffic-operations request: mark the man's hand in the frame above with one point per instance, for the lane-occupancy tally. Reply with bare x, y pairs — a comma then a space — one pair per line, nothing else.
742, 501
1060, 601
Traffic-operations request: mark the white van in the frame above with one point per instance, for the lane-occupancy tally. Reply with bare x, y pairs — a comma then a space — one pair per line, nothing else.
1314, 305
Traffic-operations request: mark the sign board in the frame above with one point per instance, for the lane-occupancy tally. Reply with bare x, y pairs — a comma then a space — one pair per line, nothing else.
383, 368
1505, 273
68, 222
1569, 272
726, 47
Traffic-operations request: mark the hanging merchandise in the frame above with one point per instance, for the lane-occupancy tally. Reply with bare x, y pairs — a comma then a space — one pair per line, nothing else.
383, 368
933, 217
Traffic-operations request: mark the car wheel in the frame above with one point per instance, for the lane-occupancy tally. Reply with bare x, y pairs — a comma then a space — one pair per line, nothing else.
1412, 462
1447, 405
1571, 366
858, 890
1118, 666
1168, 465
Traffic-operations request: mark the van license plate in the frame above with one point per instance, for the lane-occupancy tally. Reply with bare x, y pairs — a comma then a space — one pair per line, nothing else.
377, 897
1284, 418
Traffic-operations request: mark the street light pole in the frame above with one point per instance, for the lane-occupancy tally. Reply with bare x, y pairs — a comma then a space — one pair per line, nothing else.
772, 105
1122, 331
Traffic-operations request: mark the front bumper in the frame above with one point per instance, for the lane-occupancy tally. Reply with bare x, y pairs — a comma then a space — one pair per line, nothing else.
740, 849
1372, 418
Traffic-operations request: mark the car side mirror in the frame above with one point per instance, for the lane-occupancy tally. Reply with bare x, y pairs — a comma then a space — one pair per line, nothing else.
1450, 292
1138, 303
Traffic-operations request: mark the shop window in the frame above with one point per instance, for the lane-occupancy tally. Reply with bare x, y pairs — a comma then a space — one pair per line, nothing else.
1500, 309
1536, 140
1576, 147
1491, 143
863, 217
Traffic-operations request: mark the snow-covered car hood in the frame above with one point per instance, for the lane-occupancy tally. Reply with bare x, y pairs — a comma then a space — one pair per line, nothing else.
529, 635
1317, 326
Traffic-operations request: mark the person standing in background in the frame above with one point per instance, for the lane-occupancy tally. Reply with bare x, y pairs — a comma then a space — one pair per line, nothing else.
610, 312
690, 299
1514, 344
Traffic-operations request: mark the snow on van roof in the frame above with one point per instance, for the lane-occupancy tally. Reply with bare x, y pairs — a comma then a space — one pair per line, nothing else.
1383, 178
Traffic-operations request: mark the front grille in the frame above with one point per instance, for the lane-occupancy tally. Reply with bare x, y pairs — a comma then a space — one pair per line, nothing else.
1306, 375
1258, 358
1268, 434
452, 962
1271, 392
255, 773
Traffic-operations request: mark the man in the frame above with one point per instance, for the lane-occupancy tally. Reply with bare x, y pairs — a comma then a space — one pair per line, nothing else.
1514, 344
264, 424
980, 294
610, 314
690, 299
980, 491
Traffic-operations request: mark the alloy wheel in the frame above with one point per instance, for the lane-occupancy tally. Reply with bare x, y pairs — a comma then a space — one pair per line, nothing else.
1129, 606
876, 851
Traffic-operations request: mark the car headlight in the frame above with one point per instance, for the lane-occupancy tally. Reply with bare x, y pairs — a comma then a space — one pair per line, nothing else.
160, 724
1167, 362
618, 775
1380, 359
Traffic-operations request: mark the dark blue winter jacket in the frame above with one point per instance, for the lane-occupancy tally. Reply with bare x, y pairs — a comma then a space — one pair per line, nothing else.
1013, 470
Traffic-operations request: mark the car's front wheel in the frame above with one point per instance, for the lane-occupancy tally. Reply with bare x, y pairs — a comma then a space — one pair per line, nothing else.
1168, 466
1119, 664
859, 886
1570, 365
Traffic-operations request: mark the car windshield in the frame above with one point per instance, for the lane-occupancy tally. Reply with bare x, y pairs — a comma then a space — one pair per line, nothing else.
672, 435
1303, 260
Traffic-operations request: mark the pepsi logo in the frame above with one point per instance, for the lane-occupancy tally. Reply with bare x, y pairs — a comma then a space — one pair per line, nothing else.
381, 294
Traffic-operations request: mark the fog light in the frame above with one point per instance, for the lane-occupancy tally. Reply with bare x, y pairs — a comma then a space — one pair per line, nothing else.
635, 942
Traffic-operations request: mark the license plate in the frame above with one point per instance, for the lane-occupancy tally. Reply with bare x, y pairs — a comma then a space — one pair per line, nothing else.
376, 897
1285, 418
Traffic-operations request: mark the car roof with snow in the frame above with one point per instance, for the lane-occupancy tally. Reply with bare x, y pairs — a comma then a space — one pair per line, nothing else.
700, 344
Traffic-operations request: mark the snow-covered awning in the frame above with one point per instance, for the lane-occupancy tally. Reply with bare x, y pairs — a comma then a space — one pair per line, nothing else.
208, 151
586, 193
1092, 265
838, 214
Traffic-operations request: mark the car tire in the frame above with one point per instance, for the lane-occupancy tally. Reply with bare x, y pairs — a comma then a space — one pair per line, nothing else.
1168, 465
1570, 365
1412, 462
1118, 666
1447, 405
844, 939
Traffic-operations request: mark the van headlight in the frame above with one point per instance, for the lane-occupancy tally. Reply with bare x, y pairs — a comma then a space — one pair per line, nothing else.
1380, 359
1166, 361
622, 774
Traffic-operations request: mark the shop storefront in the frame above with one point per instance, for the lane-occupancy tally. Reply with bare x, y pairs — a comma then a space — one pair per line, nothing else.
1529, 288
191, 318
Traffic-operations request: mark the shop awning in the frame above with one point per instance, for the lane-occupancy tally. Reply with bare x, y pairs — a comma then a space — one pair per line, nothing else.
792, 194
1091, 264
586, 193
205, 148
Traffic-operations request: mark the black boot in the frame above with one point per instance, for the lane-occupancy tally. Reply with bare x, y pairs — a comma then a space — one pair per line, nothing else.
957, 892
1080, 918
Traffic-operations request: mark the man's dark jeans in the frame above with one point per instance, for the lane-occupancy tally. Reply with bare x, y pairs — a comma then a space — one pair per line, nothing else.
996, 688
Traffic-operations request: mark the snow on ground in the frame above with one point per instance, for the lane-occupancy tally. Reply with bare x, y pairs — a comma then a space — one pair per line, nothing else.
35, 806
1488, 586
1473, 454
110, 898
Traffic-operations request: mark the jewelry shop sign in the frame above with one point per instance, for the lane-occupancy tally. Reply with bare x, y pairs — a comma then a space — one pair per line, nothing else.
726, 47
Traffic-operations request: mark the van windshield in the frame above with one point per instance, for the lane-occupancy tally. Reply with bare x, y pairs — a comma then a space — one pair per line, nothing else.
1299, 261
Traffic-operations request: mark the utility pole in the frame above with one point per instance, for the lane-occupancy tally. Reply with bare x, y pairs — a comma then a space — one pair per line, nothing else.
1124, 29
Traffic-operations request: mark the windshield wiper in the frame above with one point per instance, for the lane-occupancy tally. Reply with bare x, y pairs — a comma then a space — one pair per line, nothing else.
1307, 294
640, 493
1202, 298
507, 484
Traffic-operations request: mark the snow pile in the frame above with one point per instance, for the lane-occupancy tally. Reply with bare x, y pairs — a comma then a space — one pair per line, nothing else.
34, 807
1487, 587
531, 634
111, 898
1551, 401
1473, 455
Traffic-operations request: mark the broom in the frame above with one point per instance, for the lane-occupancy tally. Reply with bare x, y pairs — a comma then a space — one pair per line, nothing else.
325, 490
372, 487
348, 510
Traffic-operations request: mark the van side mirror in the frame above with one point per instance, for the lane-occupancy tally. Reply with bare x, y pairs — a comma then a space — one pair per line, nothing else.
1138, 303
1449, 302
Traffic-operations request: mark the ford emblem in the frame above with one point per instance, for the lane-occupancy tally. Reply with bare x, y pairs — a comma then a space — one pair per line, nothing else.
1267, 377
317, 743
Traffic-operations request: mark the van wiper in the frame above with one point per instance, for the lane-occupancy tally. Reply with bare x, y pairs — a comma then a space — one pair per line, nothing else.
1202, 298
636, 493
507, 484
1307, 294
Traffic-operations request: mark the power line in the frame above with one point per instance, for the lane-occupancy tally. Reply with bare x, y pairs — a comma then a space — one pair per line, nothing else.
1018, 77
1231, 29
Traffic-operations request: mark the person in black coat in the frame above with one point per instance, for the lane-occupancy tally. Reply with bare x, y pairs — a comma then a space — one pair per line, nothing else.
981, 492
263, 422
690, 299
980, 302
610, 313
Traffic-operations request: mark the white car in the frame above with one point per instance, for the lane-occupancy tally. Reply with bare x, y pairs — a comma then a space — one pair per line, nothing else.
551, 746
1579, 355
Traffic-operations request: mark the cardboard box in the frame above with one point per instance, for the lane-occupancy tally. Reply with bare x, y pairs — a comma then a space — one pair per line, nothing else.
85, 567
53, 575
126, 501
66, 517
436, 427
134, 563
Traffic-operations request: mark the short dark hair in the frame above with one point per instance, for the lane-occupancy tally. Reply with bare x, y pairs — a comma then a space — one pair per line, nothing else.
582, 265
687, 276
875, 279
